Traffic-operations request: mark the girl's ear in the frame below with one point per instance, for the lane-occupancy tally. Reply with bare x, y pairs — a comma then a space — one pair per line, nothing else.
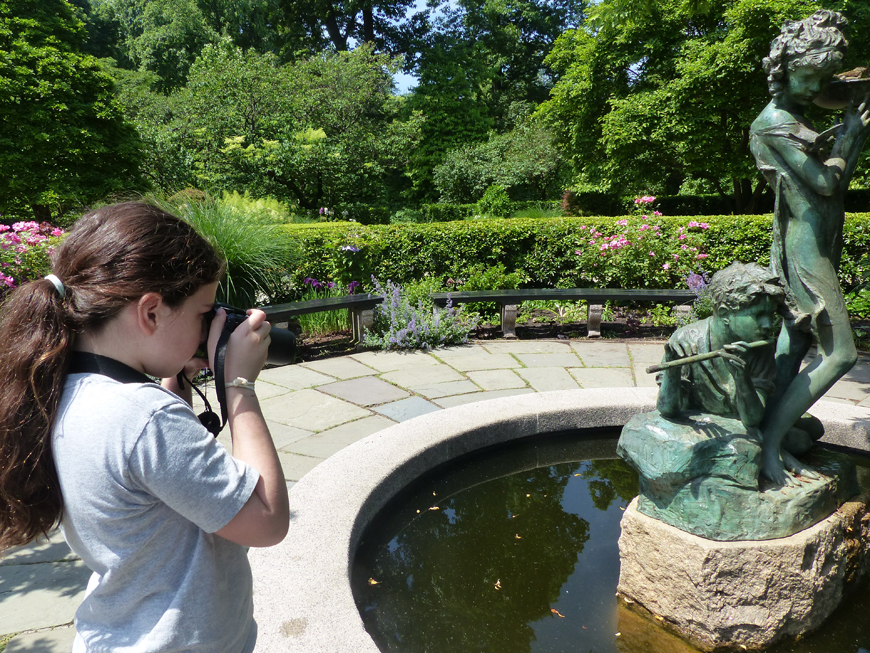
150, 312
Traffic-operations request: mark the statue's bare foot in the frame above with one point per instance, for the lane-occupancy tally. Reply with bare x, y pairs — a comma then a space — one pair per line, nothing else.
795, 466
773, 469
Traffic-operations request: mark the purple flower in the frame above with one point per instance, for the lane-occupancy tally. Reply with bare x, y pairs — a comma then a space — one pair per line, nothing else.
349, 248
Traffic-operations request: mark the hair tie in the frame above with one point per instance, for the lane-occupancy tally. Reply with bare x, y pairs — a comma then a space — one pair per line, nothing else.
58, 285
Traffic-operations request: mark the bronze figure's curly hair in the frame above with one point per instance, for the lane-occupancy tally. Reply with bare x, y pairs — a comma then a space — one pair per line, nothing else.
112, 257
815, 41
741, 284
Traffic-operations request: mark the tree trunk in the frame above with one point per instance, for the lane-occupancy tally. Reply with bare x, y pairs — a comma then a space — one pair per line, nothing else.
338, 39
757, 194
41, 212
368, 24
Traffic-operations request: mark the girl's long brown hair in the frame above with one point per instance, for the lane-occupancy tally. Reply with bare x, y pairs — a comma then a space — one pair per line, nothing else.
112, 256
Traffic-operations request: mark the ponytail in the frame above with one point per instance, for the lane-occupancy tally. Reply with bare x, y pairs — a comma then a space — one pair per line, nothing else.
112, 257
34, 340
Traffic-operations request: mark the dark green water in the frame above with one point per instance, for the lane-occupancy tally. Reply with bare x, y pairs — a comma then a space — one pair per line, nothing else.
514, 550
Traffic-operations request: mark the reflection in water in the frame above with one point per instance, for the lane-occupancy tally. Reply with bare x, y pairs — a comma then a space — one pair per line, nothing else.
508, 562
514, 551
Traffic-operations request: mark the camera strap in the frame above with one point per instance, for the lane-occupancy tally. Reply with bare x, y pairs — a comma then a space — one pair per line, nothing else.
82, 362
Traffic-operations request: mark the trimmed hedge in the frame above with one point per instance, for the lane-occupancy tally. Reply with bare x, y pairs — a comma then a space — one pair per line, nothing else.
543, 250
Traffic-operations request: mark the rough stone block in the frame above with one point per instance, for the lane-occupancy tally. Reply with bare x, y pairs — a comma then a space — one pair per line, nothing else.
742, 595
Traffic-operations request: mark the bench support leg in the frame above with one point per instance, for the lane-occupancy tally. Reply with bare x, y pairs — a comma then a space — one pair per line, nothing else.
593, 320
361, 320
509, 321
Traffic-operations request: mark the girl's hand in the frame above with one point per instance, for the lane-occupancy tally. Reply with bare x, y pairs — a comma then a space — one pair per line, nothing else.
247, 347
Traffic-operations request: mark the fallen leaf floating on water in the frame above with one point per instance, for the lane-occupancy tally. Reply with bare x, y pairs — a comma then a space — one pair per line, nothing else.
434, 508
618, 634
557, 613
583, 627
518, 537
434, 495
372, 581
528, 495
498, 584
578, 474
621, 507
418, 512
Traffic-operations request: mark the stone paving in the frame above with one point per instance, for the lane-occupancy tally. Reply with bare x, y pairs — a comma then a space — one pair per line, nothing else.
316, 409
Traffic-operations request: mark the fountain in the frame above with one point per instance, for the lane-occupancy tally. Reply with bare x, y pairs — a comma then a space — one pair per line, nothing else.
744, 533
303, 596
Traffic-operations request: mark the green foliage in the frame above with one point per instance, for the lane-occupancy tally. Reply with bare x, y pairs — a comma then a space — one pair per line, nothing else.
494, 277
858, 304
651, 96
64, 141
524, 161
325, 321
260, 256
316, 133
266, 209
542, 250
495, 202
448, 96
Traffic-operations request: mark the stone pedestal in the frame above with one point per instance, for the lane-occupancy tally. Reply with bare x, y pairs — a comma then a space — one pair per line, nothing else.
743, 595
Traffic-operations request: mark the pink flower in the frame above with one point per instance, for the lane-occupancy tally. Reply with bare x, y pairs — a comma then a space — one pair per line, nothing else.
643, 217
4, 227
683, 236
701, 256
622, 222
652, 253
666, 267
684, 247
644, 227
57, 232
657, 212
676, 257
579, 252
583, 227
591, 242
25, 226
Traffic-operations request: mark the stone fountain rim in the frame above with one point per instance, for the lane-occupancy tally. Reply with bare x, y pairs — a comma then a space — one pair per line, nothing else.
302, 595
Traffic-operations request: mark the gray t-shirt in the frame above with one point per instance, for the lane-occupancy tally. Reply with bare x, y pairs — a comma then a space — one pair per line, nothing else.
145, 486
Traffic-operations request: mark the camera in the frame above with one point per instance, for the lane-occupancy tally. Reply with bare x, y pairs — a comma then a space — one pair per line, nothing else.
282, 348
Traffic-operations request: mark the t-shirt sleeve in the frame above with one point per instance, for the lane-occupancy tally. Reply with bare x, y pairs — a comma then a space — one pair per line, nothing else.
177, 460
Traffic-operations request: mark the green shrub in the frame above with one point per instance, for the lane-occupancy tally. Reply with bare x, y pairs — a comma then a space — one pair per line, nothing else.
542, 250
495, 202
266, 209
447, 212
404, 216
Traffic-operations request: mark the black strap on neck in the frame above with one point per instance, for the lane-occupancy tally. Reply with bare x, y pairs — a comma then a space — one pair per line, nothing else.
82, 362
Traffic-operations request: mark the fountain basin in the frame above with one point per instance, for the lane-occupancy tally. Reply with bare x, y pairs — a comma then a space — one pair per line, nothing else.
302, 592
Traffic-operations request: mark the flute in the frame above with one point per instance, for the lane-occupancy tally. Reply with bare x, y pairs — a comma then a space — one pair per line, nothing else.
697, 358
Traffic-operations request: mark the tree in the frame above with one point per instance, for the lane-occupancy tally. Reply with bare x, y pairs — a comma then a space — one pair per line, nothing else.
524, 161
316, 133
384, 25
448, 96
64, 139
656, 94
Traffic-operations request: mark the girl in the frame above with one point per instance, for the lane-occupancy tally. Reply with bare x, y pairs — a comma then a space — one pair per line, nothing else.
158, 509
808, 224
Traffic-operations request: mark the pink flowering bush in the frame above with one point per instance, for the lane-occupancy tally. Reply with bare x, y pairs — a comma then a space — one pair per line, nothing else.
25, 248
639, 253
